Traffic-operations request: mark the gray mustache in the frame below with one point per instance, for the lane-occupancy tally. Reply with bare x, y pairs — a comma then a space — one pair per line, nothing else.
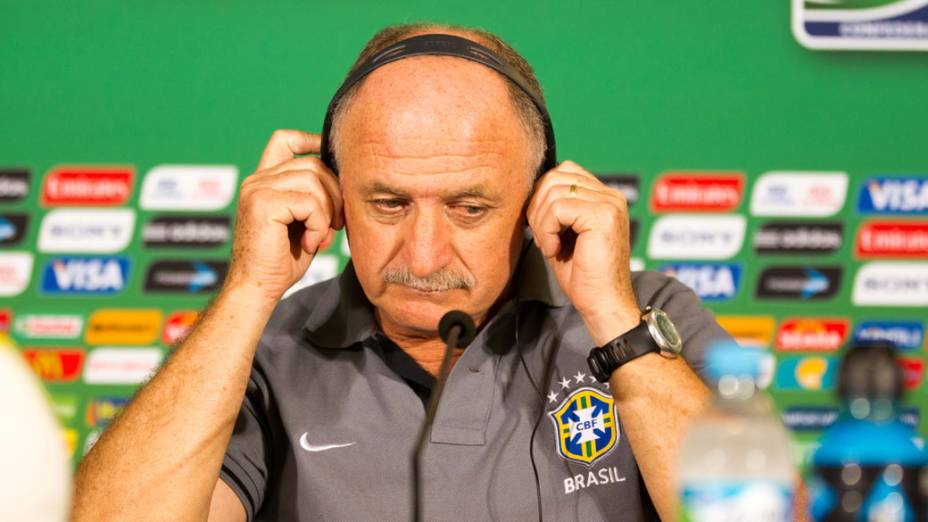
435, 282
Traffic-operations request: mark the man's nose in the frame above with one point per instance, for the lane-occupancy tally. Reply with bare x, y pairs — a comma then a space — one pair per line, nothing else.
427, 242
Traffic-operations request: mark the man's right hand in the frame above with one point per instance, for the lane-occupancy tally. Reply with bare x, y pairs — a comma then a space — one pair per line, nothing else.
287, 210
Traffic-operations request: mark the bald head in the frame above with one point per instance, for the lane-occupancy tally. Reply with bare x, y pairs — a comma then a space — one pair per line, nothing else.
445, 109
482, 87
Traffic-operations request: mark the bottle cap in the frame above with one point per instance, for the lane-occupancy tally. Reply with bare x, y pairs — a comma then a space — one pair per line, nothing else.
729, 358
870, 371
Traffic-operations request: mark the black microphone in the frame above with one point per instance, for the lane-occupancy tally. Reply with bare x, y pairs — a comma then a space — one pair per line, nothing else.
457, 330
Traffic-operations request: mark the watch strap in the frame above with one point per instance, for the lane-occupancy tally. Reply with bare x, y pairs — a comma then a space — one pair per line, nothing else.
629, 346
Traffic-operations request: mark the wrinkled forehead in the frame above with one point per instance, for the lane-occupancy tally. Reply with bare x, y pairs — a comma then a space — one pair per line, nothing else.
431, 105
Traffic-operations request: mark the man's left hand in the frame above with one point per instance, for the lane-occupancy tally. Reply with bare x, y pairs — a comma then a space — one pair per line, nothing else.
582, 228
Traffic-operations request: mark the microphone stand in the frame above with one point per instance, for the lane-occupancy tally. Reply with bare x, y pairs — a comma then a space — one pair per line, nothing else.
461, 329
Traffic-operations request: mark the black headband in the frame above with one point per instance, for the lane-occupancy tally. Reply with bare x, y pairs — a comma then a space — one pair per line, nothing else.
445, 45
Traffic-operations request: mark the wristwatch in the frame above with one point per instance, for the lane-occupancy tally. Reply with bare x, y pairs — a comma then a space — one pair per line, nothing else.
655, 333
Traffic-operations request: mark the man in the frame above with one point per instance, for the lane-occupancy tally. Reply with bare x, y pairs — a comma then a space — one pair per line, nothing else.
437, 161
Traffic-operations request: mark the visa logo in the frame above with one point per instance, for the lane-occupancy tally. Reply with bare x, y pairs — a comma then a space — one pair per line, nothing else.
899, 195
85, 275
711, 282
904, 335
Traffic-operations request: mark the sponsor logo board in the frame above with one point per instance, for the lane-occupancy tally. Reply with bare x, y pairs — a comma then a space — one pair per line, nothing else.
799, 194
628, 184
5, 316
876, 239
64, 406
88, 185
14, 184
797, 282
188, 187
123, 327
697, 192
798, 238
809, 418
177, 326
55, 364
913, 372
910, 416
186, 231
15, 272
85, 275
49, 326
186, 276
899, 25
812, 334
118, 365
904, 335
12, 228
891, 284
70, 440
811, 373
97, 231
749, 330
685, 236
91, 439
710, 281
894, 195
101, 411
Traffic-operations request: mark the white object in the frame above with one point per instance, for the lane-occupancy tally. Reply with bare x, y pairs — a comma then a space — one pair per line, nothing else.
35, 479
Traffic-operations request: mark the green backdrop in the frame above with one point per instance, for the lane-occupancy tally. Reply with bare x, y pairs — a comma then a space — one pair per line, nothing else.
633, 87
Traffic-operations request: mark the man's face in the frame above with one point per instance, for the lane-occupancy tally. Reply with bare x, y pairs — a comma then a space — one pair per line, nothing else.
434, 166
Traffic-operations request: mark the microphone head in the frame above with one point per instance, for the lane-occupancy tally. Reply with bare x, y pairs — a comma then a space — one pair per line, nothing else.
457, 318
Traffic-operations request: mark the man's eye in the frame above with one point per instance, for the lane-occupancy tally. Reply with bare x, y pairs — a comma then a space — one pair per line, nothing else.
388, 205
470, 211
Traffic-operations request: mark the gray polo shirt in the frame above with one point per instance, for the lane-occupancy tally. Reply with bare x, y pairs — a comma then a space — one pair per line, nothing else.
331, 413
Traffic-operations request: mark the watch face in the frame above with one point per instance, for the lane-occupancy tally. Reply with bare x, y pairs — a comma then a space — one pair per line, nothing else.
670, 338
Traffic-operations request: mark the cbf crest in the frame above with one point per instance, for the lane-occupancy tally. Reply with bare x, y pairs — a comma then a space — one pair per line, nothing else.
585, 423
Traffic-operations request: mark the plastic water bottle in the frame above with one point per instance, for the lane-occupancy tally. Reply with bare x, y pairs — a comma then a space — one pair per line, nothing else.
735, 461
868, 467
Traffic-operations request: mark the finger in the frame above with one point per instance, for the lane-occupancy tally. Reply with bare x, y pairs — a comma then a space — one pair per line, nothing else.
327, 242
313, 163
285, 144
318, 232
289, 207
299, 181
326, 177
315, 177
559, 192
558, 185
563, 214
568, 166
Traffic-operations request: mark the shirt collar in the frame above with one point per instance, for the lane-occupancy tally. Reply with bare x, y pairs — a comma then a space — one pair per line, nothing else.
343, 316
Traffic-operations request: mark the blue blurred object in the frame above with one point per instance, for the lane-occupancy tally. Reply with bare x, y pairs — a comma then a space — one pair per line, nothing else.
728, 358
868, 466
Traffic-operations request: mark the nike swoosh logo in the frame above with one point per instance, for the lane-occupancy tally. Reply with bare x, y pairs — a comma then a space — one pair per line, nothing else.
304, 443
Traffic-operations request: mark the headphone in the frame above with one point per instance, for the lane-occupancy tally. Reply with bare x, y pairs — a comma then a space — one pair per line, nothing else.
439, 45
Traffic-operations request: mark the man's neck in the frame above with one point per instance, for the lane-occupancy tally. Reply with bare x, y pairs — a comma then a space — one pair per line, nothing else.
426, 351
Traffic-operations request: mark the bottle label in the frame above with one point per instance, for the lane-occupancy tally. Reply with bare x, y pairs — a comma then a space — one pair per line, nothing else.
736, 501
